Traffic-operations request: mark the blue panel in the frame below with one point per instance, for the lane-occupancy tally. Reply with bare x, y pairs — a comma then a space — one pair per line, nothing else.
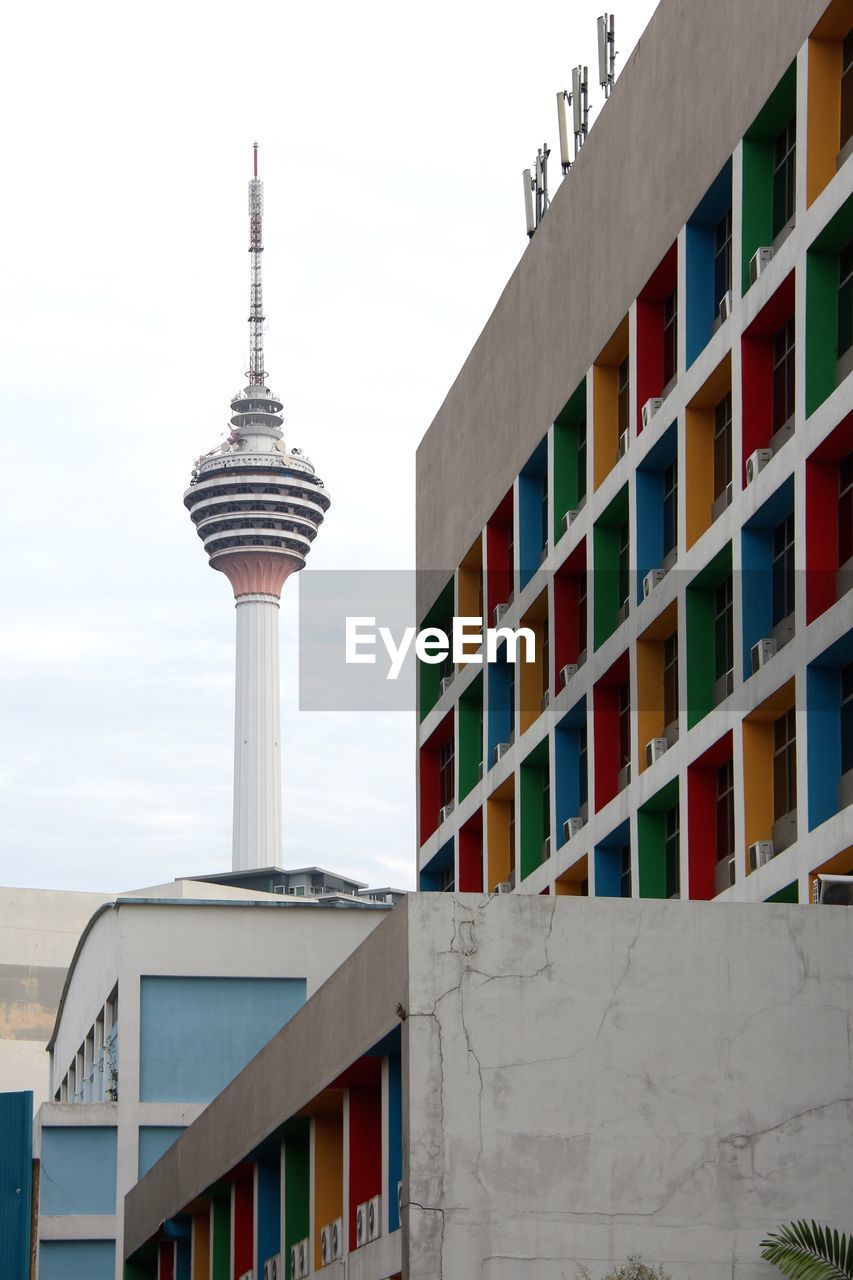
269, 1211
183, 1260
757, 591
699, 272
197, 1033
500, 711
154, 1141
78, 1170
779, 505
567, 741
649, 524
16, 1165
608, 868
77, 1260
823, 730
430, 877
395, 1138
529, 527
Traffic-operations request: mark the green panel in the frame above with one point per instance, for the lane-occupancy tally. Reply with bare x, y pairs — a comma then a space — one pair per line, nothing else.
821, 327
789, 894
778, 108
221, 1250
429, 673
296, 1193
470, 737
605, 582
143, 1265
651, 838
568, 490
757, 200
534, 771
700, 654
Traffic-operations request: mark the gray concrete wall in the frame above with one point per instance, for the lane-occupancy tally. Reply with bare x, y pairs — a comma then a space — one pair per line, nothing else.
693, 85
589, 1079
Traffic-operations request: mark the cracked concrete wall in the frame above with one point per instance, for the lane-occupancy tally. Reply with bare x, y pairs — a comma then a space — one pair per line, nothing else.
594, 1078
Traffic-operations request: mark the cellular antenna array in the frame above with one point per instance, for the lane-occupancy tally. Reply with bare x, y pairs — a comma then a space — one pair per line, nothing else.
606, 52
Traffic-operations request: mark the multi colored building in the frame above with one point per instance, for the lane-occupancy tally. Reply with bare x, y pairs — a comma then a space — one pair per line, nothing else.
646, 460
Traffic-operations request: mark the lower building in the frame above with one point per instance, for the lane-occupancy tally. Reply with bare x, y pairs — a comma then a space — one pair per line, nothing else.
506, 1087
172, 990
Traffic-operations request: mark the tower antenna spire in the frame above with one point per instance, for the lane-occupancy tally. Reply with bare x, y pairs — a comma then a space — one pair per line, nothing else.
256, 372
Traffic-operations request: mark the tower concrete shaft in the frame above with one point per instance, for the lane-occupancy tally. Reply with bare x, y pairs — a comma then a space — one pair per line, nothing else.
257, 506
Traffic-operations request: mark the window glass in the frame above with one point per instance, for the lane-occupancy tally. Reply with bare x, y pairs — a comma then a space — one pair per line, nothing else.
847, 90
670, 507
670, 337
845, 509
673, 877
723, 632
670, 678
725, 811
723, 259
784, 176
845, 299
784, 765
623, 397
723, 445
783, 375
783, 569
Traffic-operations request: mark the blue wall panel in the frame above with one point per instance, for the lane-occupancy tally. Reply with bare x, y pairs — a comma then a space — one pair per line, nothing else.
77, 1260
269, 1212
78, 1170
608, 856
757, 591
567, 743
154, 1141
429, 880
16, 1165
395, 1138
196, 1034
649, 524
823, 737
500, 709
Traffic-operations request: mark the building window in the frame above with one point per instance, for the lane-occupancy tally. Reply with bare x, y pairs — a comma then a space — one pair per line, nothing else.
583, 774
543, 515
784, 176
783, 375
511, 682
725, 811
445, 773
546, 658
624, 702
845, 510
722, 259
672, 859
447, 879
723, 630
581, 613
582, 458
625, 871
847, 89
512, 840
784, 765
445, 667
845, 299
624, 563
670, 507
847, 717
670, 337
670, 679
546, 802
510, 555
623, 397
783, 569
723, 445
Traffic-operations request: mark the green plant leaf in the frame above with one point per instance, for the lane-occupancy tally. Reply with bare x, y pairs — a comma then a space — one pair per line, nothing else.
809, 1251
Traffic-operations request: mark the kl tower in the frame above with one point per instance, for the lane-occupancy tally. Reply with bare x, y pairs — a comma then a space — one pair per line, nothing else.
256, 506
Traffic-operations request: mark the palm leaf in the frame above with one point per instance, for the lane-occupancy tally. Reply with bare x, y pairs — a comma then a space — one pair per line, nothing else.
807, 1251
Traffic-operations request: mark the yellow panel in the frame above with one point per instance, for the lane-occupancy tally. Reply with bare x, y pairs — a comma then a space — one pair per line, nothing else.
757, 781
530, 677
500, 861
824, 115
840, 865
836, 21
328, 1174
201, 1245
605, 414
649, 694
699, 464
568, 885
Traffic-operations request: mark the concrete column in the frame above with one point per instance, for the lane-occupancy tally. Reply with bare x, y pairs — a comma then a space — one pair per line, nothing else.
257, 735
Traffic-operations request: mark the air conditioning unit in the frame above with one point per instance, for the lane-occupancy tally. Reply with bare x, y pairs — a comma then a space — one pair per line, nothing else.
446, 682
400, 1200
763, 652
300, 1259
567, 672
650, 408
569, 519
361, 1236
247, 1275
499, 613
445, 812
331, 1241
760, 853
572, 826
655, 749
724, 874
505, 886
374, 1218
272, 1268
727, 303
546, 848
759, 261
651, 580
624, 442
756, 462
546, 700
501, 749
834, 890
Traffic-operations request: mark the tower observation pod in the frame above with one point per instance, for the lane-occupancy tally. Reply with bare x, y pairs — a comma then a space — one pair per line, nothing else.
257, 506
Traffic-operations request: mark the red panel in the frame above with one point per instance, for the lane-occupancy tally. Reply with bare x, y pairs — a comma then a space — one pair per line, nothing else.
244, 1226
605, 709
567, 640
757, 396
649, 354
365, 1151
701, 831
471, 855
664, 278
498, 573
821, 537
774, 313
166, 1262
428, 765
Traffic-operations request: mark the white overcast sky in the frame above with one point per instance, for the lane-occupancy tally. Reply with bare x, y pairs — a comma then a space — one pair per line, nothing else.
393, 138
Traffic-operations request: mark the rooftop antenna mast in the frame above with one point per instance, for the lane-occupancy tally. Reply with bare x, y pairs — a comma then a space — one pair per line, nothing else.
564, 98
580, 105
256, 372
606, 52
536, 199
